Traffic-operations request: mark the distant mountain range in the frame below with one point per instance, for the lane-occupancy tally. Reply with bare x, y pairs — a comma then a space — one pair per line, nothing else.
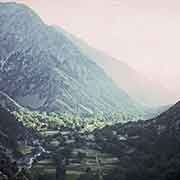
134, 83
42, 69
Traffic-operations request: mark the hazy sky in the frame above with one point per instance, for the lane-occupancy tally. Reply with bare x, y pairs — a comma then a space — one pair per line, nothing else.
143, 33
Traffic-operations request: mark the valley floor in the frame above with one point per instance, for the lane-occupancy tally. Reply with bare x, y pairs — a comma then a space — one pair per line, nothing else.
82, 156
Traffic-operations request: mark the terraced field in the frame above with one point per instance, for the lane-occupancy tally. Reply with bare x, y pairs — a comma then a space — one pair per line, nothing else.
98, 162
79, 161
45, 169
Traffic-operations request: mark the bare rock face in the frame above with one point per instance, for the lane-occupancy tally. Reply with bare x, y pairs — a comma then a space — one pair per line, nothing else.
42, 69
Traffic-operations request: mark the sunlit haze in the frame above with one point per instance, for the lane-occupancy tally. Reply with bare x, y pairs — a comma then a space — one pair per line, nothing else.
145, 34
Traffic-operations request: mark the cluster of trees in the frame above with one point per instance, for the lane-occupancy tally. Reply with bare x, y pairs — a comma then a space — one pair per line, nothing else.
37, 120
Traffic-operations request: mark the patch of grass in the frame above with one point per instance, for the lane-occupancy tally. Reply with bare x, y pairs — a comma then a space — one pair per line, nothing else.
24, 150
73, 175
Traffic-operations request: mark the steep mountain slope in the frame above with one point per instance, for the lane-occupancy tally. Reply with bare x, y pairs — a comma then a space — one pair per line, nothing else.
42, 69
9, 104
146, 149
13, 133
133, 82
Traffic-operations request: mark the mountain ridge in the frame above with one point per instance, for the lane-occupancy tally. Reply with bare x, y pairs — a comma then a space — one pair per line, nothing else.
137, 85
42, 69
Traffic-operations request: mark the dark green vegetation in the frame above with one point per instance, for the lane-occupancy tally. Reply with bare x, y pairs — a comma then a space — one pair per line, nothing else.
15, 142
146, 150
12, 131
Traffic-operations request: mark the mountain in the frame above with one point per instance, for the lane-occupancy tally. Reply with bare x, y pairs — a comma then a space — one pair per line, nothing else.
40, 68
134, 83
146, 149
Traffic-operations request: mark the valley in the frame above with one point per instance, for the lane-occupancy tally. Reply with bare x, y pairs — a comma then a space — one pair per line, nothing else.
80, 156
74, 152
66, 115
58, 152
